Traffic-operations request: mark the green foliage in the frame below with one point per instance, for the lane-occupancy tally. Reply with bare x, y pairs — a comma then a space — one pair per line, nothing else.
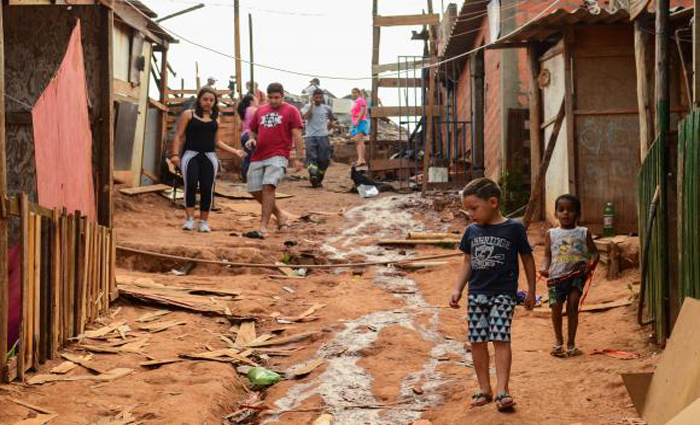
515, 187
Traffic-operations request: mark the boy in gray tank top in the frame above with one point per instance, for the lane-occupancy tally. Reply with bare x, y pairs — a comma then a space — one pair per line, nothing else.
570, 258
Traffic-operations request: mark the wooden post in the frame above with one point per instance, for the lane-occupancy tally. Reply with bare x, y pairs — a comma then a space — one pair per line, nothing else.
644, 59
430, 131
237, 42
535, 123
539, 181
4, 273
478, 108
198, 81
106, 146
374, 130
56, 281
570, 118
696, 53
24, 272
663, 114
252, 56
36, 337
164, 101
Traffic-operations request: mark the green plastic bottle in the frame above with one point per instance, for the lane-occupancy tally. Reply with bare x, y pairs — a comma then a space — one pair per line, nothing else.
609, 220
261, 377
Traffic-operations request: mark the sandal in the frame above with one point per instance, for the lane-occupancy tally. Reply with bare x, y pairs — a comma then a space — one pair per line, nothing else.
254, 235
504, 402
573, 352
558, 351
481, 399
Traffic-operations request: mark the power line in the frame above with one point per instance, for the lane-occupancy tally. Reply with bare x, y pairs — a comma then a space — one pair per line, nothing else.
328, 77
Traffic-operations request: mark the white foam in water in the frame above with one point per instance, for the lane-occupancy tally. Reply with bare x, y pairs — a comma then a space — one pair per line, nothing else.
344, 382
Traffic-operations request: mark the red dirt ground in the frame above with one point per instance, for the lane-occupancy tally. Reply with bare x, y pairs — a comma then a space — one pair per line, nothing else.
583, 390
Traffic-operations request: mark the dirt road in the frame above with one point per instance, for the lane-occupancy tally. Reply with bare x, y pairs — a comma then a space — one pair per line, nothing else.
392, 350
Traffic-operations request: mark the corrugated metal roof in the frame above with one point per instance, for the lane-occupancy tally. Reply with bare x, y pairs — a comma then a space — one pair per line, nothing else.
465, 29
556, 21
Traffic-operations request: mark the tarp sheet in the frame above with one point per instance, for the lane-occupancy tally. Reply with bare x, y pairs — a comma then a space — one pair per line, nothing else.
62, 137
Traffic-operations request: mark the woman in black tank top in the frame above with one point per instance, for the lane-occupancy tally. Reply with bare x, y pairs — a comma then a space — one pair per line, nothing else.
199, 128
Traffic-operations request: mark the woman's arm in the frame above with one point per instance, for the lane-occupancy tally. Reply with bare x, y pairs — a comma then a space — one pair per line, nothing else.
179, 135
223, 146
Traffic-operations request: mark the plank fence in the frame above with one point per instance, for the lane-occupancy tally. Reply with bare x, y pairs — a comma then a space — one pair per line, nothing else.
689, 206
650, 175
67, 281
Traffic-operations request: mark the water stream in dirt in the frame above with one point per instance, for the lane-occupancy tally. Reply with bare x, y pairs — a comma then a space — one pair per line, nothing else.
344, 382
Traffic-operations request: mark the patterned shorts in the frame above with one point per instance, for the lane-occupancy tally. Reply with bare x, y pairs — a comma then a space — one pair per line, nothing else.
270, 171
560, 290
490, 317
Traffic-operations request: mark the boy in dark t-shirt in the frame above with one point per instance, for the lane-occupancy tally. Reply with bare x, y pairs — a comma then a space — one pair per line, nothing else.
491, 246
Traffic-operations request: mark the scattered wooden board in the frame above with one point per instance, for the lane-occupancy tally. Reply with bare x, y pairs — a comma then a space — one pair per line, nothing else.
286, 270
64, 368
283, 341
277, 277
104, 377
106, 330
246, 334
84, 362
418, 266
145, 189
161, 326
158, 363
304, 369
33, 407
224, 356
150, 317
39, 420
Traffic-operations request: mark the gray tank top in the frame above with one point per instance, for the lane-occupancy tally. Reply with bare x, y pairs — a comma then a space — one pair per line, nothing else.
569, 250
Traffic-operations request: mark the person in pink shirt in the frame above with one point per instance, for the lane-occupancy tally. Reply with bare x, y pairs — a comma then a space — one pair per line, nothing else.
274, 130
358, 128
246, 109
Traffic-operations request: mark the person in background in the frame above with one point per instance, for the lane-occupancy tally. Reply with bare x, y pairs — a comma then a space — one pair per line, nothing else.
570, 256
319, 120
211, 83
315, 84
246, 109
276, 127
491, 246
358, 127
199, 128
259, 94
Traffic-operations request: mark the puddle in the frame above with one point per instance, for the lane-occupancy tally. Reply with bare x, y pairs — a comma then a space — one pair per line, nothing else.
344, 382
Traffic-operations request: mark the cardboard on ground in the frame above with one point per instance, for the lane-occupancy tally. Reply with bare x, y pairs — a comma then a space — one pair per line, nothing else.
675, 384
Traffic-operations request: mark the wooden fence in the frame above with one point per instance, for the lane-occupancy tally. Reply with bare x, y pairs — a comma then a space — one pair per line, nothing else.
650, 175
67, 280
689, 206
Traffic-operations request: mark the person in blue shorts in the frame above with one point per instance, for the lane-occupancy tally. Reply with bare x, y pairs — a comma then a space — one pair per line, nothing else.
359, 127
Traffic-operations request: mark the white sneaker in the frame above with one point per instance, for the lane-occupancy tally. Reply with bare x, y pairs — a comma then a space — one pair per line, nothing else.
204, 226
189, 224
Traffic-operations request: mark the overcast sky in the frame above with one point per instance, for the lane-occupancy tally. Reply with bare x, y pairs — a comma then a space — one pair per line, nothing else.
319, 37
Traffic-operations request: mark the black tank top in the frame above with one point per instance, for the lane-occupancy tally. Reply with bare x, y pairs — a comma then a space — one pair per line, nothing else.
199, 135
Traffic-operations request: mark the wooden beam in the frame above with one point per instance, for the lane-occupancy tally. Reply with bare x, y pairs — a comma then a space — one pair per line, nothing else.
133, 18
157, 105
542, 172
106, 144
163, 134
478, 111
374, 101
127, 90
535, 122
512, 45
400, 20
570, 120
430, 129
403, 66
401, 111
4, 266
400, 82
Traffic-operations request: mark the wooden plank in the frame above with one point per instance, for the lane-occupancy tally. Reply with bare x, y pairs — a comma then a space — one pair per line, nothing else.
400, 82
569, 106
402, 20
28, 293
194, 92
45, 315
55, 283
144, 189
157, 105
114, 291
585, 112
105, 271
106, 141
399, 111
535, 105
37, 292
87, 226
72, 274
402, 66
541, 173
65, 278
4, 272
126, 89
644, 59
79, 324
430, 124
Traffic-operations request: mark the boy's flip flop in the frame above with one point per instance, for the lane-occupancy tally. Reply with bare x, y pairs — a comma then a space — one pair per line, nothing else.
558, 351
481, 399
573, 352
504, 402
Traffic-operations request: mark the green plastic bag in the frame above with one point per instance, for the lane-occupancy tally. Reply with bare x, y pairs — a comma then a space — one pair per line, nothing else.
261, 377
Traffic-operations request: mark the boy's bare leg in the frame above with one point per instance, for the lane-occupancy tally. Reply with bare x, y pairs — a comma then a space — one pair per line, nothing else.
504, 357
480, 355
572, 317
557, 323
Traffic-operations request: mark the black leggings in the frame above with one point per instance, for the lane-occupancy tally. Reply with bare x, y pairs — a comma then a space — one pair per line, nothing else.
199, 170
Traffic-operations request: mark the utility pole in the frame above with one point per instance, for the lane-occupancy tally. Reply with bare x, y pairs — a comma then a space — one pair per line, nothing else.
237, 42
252, 57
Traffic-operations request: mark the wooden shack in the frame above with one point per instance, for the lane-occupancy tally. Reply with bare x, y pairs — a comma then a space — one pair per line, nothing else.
587, 61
